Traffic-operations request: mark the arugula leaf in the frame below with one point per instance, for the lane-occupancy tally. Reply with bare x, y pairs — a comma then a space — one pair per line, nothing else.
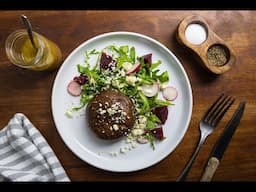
92, 74
93, 52
87, 55
123, 58
164, 77
150, 137
152, 121
144, 103
132, 54
124, 49
150, 124
161, 103
129, 90
154, 118
155, 65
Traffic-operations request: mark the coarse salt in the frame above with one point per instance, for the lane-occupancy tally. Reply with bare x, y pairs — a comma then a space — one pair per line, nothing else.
195, 33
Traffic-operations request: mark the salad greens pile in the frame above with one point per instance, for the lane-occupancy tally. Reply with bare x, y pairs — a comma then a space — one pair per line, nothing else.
119, 68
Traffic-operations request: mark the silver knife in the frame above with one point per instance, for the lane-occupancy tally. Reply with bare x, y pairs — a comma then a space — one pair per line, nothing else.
222, 144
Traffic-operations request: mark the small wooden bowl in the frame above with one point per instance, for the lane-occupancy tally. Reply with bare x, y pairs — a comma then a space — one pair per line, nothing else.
205, 47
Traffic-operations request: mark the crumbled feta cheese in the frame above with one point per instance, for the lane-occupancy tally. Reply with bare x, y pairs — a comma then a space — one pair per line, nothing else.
113, 154
142, 119
137, 132
110, 111
122, 73
128, 140
127, 66
102, 111
133, 145
123, 149
108, 81
131, 80
115, 83
115, 127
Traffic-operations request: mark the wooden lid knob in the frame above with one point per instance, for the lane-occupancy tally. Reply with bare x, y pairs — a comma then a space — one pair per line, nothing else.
213, 52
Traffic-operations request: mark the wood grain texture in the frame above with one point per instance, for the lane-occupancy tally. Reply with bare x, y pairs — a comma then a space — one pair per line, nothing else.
30, 92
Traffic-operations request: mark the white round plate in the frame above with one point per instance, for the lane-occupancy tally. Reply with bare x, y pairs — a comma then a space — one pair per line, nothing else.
85, 144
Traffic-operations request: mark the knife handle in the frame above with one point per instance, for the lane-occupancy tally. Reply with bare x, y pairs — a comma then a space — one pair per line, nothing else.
210, 169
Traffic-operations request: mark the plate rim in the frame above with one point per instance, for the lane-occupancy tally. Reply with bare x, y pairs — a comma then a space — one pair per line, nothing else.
134, 34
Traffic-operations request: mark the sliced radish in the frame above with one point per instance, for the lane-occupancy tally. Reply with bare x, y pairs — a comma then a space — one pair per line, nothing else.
74, 88
134, 69
170, 93
150, 90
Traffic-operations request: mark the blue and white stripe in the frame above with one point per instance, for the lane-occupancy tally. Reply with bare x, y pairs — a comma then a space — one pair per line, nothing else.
25, 155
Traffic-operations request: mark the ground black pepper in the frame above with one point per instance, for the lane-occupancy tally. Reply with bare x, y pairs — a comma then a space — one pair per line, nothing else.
217, 55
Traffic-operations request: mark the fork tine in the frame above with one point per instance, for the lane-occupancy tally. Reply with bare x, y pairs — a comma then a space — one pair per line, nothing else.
222, 111
218, 109
212, 108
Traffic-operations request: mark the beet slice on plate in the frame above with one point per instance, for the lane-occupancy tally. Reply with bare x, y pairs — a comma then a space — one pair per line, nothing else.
158, 133
106, 61
161, 113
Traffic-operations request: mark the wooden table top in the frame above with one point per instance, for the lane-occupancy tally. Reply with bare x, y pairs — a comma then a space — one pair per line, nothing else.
30, 92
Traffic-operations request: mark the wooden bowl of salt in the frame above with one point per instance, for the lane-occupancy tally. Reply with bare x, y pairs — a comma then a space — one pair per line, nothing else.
213, 52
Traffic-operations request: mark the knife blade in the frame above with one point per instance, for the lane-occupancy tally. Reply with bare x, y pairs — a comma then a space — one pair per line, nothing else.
222, 143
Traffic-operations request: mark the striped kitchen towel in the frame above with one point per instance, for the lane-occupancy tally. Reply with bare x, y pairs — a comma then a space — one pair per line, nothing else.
25, 155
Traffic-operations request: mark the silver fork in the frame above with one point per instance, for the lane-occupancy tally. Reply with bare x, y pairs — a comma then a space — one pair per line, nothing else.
207, 125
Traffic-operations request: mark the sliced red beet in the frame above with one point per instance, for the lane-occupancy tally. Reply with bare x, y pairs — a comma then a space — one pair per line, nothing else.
161, 113
82, 79
106, 61
147, 59
158, 133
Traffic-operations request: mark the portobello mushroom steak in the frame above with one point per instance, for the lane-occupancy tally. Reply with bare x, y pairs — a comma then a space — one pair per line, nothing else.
111, 114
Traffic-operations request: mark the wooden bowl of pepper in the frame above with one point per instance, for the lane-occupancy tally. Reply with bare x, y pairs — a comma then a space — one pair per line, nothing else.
213, 53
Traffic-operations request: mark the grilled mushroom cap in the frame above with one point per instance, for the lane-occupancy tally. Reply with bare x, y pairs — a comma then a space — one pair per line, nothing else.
111, 114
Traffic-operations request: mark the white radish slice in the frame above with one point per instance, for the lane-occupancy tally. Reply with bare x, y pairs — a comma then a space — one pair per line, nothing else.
142, 140
135, 68
150, 90
170, 93
74, 88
